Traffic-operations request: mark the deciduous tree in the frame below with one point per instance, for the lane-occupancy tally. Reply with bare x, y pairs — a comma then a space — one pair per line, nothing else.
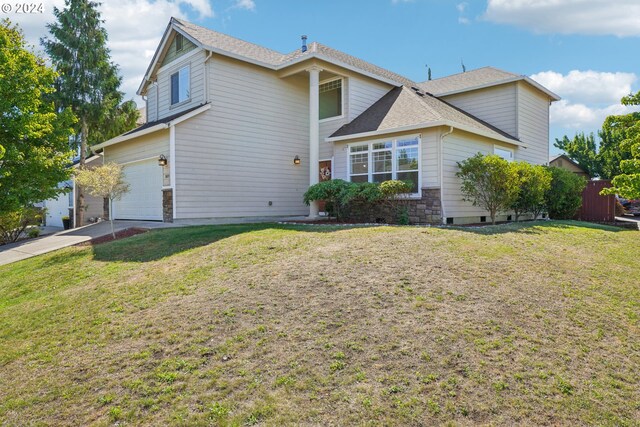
627, 184
106, 181
34, 136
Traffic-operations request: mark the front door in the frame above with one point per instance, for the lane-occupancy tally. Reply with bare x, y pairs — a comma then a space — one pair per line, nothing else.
325, 175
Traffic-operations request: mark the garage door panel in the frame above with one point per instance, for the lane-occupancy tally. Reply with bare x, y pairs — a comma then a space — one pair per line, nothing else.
144, 199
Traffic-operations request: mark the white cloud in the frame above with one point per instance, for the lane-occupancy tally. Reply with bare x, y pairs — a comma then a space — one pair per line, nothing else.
588, 96
595, 17
134, 27
461, 7
582, 117
245, 4
588, 86
401, 1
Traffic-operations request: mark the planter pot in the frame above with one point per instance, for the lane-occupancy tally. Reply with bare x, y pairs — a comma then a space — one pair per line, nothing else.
66, 223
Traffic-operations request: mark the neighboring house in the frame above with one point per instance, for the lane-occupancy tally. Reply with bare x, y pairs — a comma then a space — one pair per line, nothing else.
563, 161
64, 204
245, 130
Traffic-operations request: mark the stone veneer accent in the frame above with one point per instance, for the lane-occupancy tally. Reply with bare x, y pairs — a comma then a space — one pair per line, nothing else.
167, 205
425, 210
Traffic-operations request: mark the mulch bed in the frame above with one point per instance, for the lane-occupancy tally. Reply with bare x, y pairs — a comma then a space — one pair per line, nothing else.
122, 234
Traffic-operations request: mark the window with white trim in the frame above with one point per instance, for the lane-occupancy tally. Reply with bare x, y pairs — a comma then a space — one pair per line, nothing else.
505, 153
331, 99
180, 86
379, 161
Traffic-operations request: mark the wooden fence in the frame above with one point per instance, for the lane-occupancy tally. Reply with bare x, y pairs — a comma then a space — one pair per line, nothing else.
597, 208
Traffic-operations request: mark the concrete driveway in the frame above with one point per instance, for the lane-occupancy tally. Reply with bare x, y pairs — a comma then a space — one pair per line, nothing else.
28, 248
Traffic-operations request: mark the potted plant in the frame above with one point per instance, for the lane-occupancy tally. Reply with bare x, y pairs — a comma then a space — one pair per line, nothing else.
66, 222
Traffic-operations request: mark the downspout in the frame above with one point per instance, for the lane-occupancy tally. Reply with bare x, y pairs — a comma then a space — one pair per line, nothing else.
206, 77
442, 212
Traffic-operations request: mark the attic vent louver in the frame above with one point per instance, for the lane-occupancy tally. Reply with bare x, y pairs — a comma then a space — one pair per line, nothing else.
304, 44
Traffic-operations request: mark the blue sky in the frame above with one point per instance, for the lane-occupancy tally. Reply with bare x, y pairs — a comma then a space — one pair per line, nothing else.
584, 50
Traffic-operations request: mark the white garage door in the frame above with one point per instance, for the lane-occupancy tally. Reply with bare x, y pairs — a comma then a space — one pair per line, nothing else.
144, 199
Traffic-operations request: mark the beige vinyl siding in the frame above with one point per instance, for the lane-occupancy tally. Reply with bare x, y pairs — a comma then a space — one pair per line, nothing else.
495, 105
143, 147
152, 103
329, 126
360, 93
197, 69
457, 147
173, 54
237, 156
363, 93
533, 124
430, 158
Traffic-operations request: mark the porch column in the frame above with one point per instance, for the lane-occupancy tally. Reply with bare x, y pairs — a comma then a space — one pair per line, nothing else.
314, 132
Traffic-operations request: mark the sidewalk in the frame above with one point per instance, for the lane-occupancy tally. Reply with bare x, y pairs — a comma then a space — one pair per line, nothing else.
28, 248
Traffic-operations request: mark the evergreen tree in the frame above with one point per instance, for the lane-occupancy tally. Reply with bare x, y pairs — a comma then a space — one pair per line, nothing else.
88, 81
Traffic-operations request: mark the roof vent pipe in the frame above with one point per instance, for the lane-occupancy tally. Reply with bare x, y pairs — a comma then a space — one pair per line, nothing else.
304, 43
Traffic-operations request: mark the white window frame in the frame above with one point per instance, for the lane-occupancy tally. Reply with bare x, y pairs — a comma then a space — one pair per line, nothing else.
394, 160
188, 98
342, 92
510, 150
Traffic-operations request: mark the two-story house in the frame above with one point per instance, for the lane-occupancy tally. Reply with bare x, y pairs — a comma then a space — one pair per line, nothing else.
237, 130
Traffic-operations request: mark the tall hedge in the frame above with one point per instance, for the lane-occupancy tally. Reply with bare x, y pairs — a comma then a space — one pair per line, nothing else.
564, 197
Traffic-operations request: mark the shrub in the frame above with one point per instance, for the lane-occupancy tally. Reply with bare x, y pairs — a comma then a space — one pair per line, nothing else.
488, 182
564, 197
350, 200
395, 194
534, 181
330, 191
13, 224
33, 232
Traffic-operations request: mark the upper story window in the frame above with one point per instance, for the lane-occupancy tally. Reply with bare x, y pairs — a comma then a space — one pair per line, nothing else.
505, 153
331, 99
180, 86
179, 42
385, 160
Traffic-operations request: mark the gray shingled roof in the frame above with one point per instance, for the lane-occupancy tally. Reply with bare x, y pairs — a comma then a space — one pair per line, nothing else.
258, 53
229, 44
351, 60
402, 107
398, 108
470, 79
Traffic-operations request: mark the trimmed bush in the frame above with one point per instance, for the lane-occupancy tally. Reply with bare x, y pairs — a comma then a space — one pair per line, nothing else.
534, 181
395, 193
489, 182
564, 197
362, 201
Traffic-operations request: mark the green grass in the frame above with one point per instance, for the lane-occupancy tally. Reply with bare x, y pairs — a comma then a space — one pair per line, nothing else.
272, 325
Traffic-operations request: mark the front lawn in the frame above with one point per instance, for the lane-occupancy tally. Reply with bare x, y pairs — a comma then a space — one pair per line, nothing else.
272, 325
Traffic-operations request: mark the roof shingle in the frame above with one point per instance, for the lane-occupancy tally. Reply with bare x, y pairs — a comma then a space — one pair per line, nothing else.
464, 81
402, 107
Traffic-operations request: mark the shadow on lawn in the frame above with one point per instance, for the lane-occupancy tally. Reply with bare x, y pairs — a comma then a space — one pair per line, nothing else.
157, 244
536, 227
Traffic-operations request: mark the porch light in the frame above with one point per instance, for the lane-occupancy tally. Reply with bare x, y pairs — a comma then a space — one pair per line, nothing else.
162, 160
296, 160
